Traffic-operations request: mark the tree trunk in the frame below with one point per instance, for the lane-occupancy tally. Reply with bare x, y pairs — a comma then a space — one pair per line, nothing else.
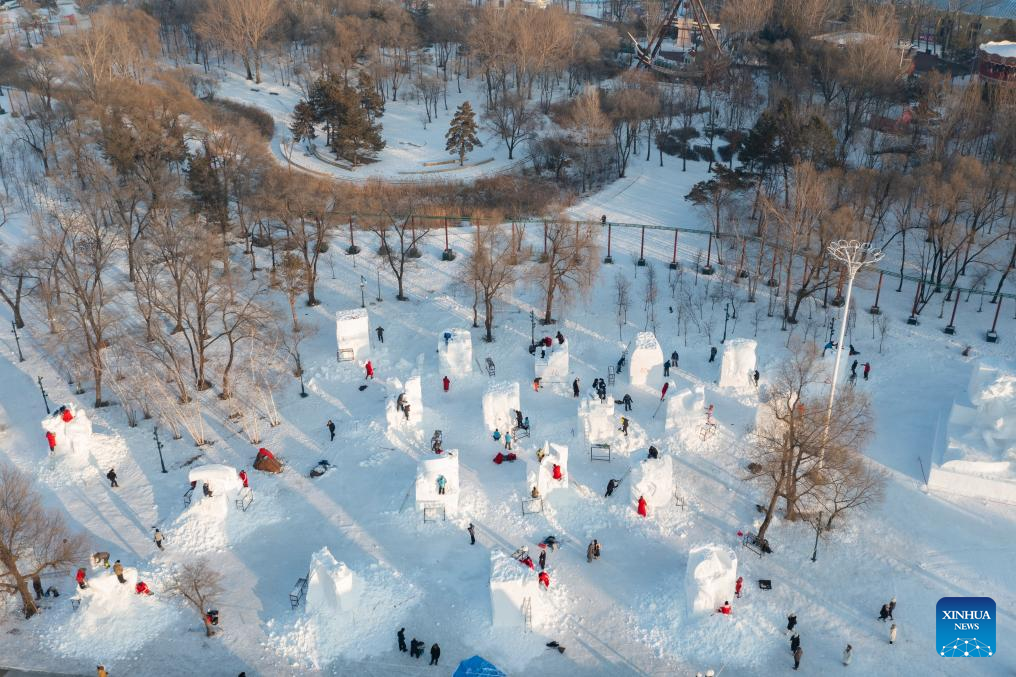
488, 317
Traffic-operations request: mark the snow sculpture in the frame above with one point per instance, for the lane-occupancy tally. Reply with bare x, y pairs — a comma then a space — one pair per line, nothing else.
222, 480
738, 364
541, 474
71, 430
513, 589
552, 363
596, 419
412, 393
455, 352
654, 479
428, 490
500, 403
710, 579
352, 333
645, 364
331, 585
686, 407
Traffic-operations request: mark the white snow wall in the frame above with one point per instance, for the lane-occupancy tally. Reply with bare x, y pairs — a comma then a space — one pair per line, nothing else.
414, 397
687, 407
554, 365
654, 479
738, 364
352, 332
427, 473
511, 583
222, 480
331, 585
500, 403
541, 475
74, 437
596, 419
710, 578
645, 364
456, 356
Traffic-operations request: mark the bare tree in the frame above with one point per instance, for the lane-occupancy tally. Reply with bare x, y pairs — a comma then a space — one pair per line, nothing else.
510, 116
199, 585
570, 265
33, 538
491, 270
852, 483
398, 239
242, 26
622, 288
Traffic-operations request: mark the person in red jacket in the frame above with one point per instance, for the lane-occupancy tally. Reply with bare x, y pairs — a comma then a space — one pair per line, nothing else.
642, 506
557, 472
142, 588
867, 370
80, 578
725, 609
737, 586
446, 383
51, 438
370, 369
499, 459
545, 579
664, 393
243, 478
67, 416
264, 452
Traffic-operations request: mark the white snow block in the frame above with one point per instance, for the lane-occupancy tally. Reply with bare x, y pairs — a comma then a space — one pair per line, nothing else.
73, 437
500, 403
427, 473
352, 332
710, 579
645, 364
552, 363
687, 407
413, 395
331, 585
738, 364
596, 419
455, 355
223, 480
511, 585
541, 475
654, 479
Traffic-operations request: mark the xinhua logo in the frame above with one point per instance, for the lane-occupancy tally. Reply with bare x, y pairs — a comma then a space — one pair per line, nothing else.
965, 627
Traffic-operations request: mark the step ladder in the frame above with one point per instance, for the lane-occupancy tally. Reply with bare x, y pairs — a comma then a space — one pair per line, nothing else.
527, 614
611, 375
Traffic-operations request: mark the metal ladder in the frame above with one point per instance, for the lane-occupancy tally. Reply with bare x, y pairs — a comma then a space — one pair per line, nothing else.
527, 614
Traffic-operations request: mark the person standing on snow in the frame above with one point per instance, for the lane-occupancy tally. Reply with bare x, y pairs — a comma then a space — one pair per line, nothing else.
791, 622
441, 482
853, 369
867, 370
37, 586
737, 587
626, 400
446, 383
415, 648
797, 658
405, 410
243, 478
642, 506
673, 359
596, 549
543, 560
111, 476
435, 653
611, 485
380, 333
624, 425
892, 634
795, 642
496, 435
51, 439
848, 655
369, 368
80, 578
331, 429
589, 552
507, 440
712, 353
536, 384
666, 369
754, 377
402, 640
883, 613
472, 534
158, 539
560, 338
575, 388
892, 608
118, 570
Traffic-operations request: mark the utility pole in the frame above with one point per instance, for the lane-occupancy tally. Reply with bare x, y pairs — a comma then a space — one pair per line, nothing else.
818, 532
726, 317
363, 283
14, 330
158, 445
379, 284
532, 328
44, 400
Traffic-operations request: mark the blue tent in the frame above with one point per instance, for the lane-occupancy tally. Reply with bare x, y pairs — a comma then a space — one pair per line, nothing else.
477, 667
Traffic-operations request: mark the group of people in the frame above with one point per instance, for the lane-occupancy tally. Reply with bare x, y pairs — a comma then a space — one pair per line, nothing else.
416, 647
884, 614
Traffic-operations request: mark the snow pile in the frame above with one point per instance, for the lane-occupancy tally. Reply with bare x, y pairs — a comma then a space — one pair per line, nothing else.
221, 479
596, 419
1002, 48
654, 479
427, 474
500, 403
975, 454
352, 332
645, 364
113, 620
738, 364
382, 600
541, 474
710, 578
552, 363
73, 432
413, 396
513, 585
331, 586
685, 408
455, 355
202, 526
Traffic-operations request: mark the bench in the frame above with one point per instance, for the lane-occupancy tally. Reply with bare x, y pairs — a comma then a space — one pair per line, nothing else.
298, 593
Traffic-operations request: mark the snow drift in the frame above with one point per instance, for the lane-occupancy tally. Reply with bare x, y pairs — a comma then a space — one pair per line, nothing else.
331, 586
710, 578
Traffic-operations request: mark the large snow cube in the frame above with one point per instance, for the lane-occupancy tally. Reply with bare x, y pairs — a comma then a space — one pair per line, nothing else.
352, 334
412, 393
654, 479
552, 363
541, 474
427, 487
645, 364
710, 579
331, 585
73, 431
687, 407
596, 419
455, 352
223, 480
500, 403
738, 364
513, 586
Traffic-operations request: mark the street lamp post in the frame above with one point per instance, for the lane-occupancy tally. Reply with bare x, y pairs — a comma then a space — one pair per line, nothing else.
854, 255
379, 285
532, 328
44, 399
363, 282
158, 445
14, 330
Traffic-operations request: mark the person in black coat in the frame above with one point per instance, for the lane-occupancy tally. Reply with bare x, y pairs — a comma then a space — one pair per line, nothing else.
883, 613
712, 353
611, 485
795, 642
575, 387
626, 400
791, 622
435, 653
415, 648
402, 640
111, 476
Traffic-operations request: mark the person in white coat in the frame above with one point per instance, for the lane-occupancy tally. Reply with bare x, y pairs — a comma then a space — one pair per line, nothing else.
848, 655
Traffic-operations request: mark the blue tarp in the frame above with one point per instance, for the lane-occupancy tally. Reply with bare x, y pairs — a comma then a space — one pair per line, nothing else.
477, 667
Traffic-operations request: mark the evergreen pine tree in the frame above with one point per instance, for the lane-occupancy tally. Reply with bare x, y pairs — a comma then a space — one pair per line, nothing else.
370, 100
302, 126
461, 137
355, 133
